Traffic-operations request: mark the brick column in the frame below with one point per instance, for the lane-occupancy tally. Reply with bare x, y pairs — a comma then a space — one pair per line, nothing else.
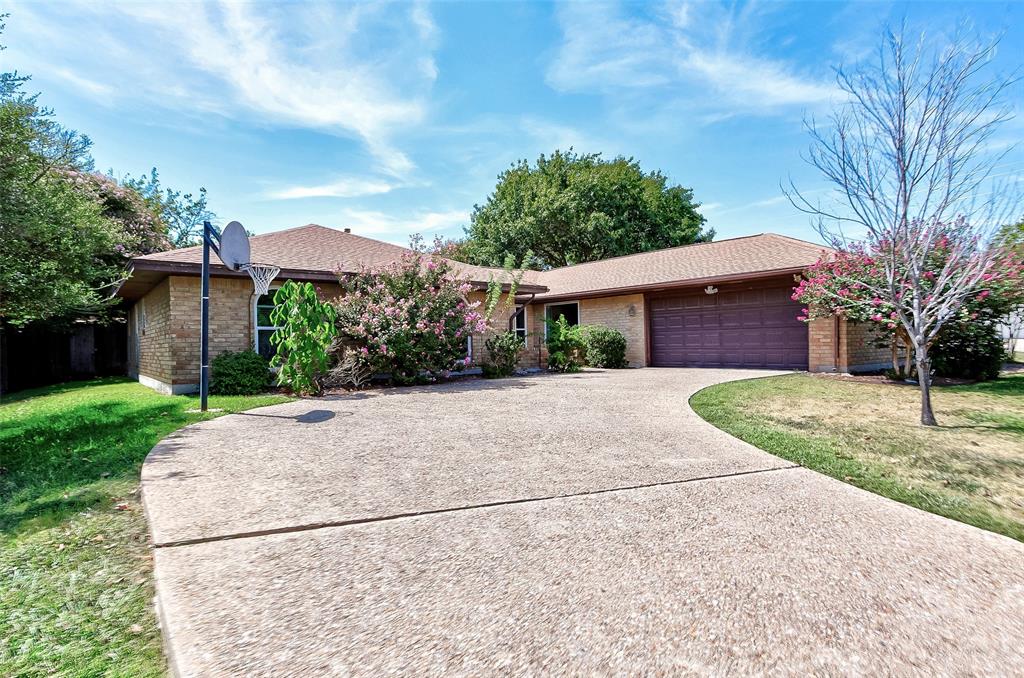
821, 346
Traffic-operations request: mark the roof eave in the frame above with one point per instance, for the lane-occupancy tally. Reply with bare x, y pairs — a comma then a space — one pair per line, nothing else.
670, 285
218, 270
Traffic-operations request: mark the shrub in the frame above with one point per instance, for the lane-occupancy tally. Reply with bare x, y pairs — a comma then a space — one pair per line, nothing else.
410, 319
239, 373
603, 346
565, 346
502, 354
968, 350
306, 331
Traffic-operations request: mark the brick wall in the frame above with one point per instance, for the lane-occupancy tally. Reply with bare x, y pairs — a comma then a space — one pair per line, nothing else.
168, 322
624, 313
500, 323
230, 322
151, 317
861, 355
855, 349
821, 345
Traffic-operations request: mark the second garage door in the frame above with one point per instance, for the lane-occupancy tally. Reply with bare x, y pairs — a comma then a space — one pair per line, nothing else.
732, 328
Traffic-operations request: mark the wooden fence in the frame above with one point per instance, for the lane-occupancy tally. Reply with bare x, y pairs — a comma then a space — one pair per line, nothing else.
40, 355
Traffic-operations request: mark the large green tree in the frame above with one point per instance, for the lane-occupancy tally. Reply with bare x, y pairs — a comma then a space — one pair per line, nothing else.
52, 235
571, 208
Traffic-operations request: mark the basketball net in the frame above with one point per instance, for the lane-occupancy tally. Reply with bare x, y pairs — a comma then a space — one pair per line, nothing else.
262, 275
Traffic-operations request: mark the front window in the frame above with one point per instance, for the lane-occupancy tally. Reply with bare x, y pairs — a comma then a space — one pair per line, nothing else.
571, 311
518, 323
264, 328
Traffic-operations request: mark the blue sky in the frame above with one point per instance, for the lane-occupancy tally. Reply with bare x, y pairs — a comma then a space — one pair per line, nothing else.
396, 118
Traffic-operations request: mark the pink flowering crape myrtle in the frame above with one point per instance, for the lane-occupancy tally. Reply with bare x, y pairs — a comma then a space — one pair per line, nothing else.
410, 319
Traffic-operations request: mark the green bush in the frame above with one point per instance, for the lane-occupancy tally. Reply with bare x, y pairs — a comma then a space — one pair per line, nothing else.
502, 355
968, 350
306, 333
604, 347
565, 346
239, 373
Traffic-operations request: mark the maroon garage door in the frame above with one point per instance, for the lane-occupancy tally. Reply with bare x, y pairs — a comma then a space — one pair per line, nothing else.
733, 328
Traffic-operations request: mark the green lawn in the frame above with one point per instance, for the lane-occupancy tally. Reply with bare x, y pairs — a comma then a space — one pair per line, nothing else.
75, 569
970, 468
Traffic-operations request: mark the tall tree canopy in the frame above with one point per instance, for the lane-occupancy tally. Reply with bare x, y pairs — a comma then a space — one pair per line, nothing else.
571, 208
66, 231
50, 232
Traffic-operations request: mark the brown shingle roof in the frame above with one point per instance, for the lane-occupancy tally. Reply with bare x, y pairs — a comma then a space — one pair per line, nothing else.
318, 252
316, 249
722, 259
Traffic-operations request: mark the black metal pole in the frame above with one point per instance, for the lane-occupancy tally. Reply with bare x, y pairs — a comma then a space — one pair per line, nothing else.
204, 340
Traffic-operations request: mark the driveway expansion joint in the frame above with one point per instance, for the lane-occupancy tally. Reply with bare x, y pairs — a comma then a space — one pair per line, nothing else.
456, 509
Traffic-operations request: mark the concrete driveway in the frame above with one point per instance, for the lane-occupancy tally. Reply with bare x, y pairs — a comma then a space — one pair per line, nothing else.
572, 524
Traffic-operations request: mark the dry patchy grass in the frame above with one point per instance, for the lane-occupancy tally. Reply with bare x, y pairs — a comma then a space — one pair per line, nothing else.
970, 468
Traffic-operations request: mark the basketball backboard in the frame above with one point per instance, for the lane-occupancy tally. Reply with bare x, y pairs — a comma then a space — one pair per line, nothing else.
234, 246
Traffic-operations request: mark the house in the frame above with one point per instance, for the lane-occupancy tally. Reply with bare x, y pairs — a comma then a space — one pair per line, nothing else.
719, 304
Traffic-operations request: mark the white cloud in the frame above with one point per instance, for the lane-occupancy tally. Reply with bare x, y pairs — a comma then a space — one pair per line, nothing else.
90, 87
550, 135
312, 66
757, 204
346, 187
710, 61
397, 229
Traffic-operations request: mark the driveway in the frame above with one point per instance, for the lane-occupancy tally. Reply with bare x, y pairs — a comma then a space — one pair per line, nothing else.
586, 523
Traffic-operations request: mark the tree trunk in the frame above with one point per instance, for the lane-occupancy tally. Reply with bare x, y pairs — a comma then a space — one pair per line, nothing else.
924, 381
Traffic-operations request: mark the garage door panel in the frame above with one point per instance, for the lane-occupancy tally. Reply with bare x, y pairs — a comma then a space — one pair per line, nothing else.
727, 298
778, 295
753, 318
748, 328
752, 297
731, 319
711, 340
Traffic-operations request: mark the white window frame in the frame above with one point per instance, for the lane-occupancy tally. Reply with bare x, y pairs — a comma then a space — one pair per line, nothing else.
256, 327
469, 347
521, 312
579, 313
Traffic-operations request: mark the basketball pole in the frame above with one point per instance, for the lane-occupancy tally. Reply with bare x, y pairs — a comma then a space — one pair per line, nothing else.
209, 235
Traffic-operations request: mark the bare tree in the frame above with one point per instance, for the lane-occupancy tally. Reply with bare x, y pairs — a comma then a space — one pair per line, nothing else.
907, 154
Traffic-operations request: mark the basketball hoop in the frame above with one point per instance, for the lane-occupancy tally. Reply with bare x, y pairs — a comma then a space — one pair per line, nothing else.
262, 275
232, 246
